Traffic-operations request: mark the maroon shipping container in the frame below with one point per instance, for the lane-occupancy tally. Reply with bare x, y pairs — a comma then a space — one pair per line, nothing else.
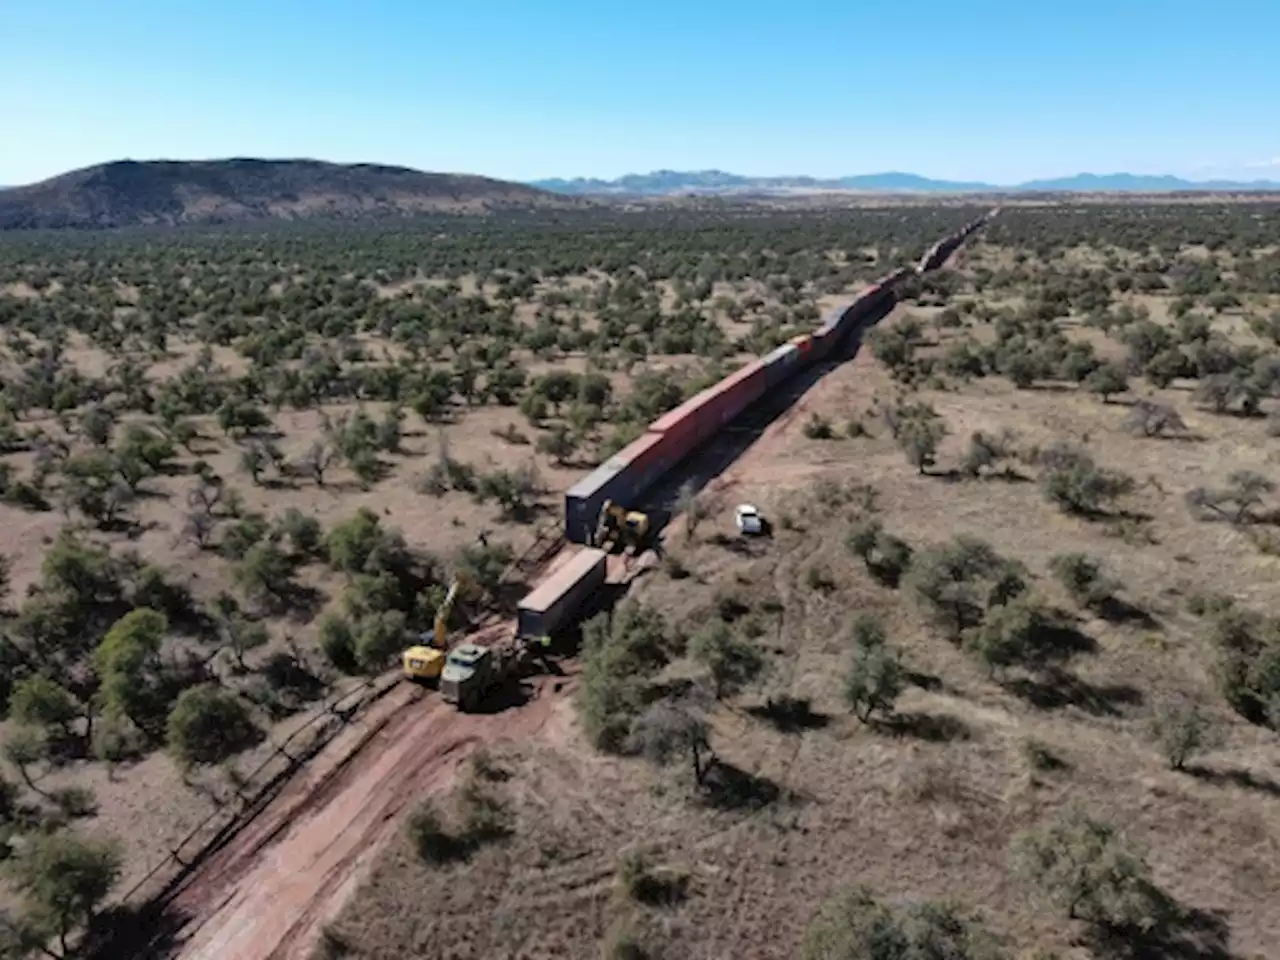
639, 452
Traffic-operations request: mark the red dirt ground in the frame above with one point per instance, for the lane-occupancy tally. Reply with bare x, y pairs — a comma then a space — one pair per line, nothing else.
270, 891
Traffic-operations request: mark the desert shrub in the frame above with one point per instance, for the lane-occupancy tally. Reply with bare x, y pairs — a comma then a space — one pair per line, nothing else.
1076, 484
1011, 633
818, 427
731, 660
618, 656
1181, 731
957, 581
868, 630
985, 451
338, 642
886, 556
208, 725
643, 881
674, 729
1082, 866
852, 925
1237, 502
63, 879
918, 430
1107, 380
1084, 579
431, 839
874, 681
1151, 419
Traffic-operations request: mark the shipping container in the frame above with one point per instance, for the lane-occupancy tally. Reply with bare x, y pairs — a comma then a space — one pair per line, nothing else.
554, 603
823, 341
782, 363
649, 458
834, 319
582, 502
804, 343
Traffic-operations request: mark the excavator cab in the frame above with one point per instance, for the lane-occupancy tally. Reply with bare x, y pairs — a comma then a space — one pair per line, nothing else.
424, 662
619, 525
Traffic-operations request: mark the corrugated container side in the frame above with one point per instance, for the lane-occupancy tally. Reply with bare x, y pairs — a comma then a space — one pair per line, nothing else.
673, 419
680, 436
823, 340
732, 397
555, 601
638, 452
583, 500
781, 363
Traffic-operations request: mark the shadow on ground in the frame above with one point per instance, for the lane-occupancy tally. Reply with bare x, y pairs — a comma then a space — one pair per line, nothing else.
1054, 689
1181, 933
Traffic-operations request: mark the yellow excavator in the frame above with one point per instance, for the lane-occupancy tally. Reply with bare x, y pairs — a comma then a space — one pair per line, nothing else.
617, 524
424, 662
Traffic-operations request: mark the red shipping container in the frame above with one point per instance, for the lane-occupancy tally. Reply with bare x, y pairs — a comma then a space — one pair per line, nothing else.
639, 453
673, 419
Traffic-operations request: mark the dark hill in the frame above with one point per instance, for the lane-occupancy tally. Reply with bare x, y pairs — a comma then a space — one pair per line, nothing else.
133, 193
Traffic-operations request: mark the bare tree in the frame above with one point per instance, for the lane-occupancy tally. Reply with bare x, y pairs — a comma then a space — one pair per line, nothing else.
1235, 502
1153, 419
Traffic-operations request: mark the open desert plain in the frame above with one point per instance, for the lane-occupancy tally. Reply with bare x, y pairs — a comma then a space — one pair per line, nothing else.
1001, 679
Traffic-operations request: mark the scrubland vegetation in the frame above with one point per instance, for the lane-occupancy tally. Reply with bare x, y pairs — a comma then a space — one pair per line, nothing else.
1003, 681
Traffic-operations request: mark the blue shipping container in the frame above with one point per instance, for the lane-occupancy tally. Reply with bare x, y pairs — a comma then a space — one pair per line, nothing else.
583, 501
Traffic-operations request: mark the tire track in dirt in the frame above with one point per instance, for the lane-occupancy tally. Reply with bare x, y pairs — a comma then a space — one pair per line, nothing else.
269, 892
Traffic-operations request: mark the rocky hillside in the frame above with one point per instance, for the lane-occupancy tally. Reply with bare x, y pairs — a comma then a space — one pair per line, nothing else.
132, 193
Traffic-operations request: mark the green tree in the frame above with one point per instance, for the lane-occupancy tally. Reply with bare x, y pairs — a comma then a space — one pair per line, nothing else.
1084, 579
265, 572
1107, 380
852, 925
957, 581
41, 702
63, 879
1182, 731
127, 661
1082, 866
208, 724
874, 682
731, 660
558, 444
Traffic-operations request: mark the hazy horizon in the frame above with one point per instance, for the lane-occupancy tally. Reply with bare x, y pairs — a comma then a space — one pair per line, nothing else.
991, 92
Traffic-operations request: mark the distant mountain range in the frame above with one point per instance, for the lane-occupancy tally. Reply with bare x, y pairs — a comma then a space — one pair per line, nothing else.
666, 182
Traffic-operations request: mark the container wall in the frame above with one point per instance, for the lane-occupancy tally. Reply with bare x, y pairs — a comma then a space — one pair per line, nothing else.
781, 363
582, 502
553, 603
639, 452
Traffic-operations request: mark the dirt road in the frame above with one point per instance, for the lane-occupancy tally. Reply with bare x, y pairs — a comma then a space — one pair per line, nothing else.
267, 895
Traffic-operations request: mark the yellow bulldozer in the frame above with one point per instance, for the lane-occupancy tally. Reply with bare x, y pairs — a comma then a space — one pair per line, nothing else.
423, 662
617, 524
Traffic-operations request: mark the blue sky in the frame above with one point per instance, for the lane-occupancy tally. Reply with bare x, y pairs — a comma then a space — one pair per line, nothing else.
999, 90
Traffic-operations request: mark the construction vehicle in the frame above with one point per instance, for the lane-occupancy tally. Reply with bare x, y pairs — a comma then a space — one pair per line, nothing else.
473, 671
617, 524
424, 662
